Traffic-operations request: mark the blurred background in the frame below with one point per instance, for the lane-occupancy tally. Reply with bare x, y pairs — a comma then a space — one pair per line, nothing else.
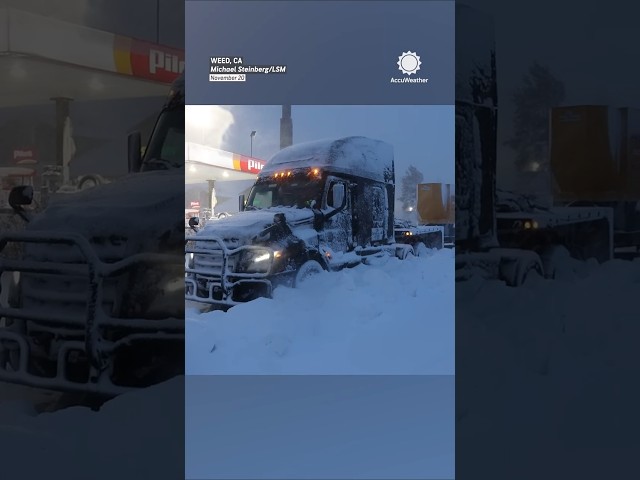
77, 77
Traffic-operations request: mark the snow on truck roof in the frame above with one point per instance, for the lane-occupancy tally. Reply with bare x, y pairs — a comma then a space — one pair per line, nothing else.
360, 156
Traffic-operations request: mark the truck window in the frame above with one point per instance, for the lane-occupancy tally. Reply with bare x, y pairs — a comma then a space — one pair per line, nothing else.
166, 147
262, 199
173, 147
330, 194
298, 191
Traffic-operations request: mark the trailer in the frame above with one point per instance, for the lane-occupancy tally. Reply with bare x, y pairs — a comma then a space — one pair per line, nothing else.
436, 206
422, 238
594, 179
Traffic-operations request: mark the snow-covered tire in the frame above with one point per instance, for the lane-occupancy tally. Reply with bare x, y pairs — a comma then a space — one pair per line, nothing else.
523, 269
404, 252
554, 259
307, 270
421, 250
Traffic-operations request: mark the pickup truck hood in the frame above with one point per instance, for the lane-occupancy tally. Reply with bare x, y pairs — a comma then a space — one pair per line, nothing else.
141, 205
240, 228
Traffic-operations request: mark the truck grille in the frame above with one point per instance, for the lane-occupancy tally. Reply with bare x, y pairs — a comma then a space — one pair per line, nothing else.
209, 265
69, 293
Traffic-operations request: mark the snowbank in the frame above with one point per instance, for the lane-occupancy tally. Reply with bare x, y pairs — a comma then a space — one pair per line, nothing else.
135, 436
394, 318
550, 359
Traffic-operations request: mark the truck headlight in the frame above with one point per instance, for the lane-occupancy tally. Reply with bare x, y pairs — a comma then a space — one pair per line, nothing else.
256, 261
154, 291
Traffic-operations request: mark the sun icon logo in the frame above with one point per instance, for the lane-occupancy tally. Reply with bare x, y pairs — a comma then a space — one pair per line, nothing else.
409, 63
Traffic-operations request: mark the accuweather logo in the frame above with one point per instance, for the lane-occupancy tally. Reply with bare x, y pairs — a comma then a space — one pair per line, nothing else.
409, 64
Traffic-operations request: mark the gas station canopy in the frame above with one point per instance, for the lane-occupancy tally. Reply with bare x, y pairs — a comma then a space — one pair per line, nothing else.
206, 163
42, 58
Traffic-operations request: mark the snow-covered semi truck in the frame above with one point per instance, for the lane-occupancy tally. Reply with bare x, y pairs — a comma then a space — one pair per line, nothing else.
95, 302
501, 234
315, 206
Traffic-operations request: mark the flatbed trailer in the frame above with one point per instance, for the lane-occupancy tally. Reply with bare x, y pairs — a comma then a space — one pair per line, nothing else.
420, 236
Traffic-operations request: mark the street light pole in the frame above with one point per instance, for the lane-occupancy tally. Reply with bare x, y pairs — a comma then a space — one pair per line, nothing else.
253, 134
158, 22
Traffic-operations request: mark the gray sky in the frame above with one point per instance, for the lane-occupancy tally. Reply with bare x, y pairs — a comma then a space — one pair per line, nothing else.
422, 136
590, 45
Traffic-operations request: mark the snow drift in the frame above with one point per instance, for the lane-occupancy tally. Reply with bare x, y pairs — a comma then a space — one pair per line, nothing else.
542, 367
392, 318
133, 436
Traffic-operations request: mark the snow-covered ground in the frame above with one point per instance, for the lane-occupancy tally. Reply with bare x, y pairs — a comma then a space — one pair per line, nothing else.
135, 436
546, 362
548, 372
396, 317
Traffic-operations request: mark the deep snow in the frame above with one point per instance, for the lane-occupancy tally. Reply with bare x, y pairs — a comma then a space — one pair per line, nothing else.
396, 317
137, 435
547, 374
544, 363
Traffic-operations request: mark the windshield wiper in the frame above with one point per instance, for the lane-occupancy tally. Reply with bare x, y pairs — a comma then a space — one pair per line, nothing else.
251, 207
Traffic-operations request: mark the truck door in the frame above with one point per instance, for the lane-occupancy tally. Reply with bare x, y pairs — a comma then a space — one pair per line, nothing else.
337, 232
378, 214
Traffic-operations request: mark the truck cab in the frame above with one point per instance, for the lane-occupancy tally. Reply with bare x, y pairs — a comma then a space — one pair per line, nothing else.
316, 206
95, 301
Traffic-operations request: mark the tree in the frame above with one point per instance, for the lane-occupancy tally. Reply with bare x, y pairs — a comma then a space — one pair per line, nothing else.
540, 91
408, 187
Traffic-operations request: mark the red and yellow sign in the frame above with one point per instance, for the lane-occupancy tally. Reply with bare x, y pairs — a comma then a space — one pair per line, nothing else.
147, 60
247, 164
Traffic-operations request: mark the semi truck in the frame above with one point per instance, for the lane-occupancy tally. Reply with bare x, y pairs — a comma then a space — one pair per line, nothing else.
94, 303
508, 236
317, 206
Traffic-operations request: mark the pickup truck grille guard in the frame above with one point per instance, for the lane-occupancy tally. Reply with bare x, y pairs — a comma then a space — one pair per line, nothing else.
15, 347
221, 275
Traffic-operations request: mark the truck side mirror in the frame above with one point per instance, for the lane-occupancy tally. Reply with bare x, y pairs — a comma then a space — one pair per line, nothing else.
338, 194
241, 203
22, 195
135, 152
193, 223
19, 196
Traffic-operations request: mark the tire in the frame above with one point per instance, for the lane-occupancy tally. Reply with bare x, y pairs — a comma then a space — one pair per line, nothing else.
553, 259
307, 270
523, 270
88, 182
404, 253
421, 250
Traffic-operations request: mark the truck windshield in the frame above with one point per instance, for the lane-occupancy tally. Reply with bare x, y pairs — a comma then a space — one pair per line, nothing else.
294, 192
166, 147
